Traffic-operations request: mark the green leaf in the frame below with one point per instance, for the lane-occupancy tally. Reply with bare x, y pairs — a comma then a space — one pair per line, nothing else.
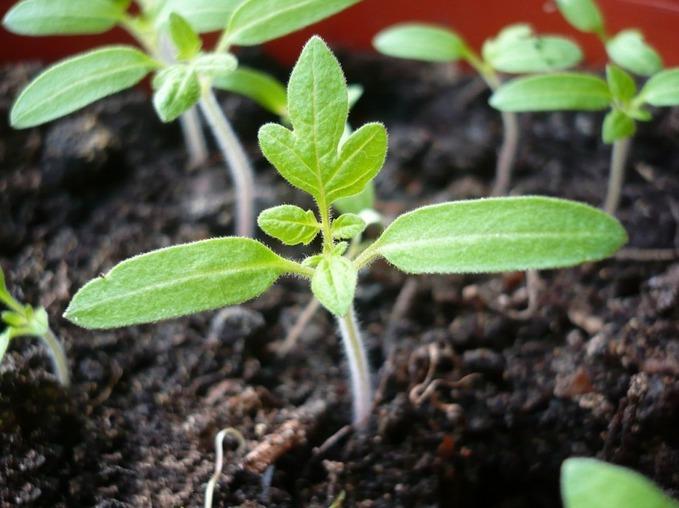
258, 21
289, 224
418, 41
662, 89
617, 125
176, 281
62, 17
215, 65
500, 234
334, 284
184, 37
347, 226
13, 318
553, 92
177, 89
364, 200
4, 342
622, 85
582, 14
78, 81
590, 483
262, 88
629, 50
203, 15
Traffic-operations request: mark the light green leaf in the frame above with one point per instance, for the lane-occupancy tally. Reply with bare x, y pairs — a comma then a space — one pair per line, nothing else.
590, 483
553, 92
500, 234
177, 89
419, 41
347, 226
622, 85
184, 37
262, 88
258, 21
203, 15
215, 65
662, 89
532, 54
334, 284
13, 318
629, 50
582, 14
364, 200
617, 125
62, 17
4, 342
176, 281
78, 81
289, 224
639, 113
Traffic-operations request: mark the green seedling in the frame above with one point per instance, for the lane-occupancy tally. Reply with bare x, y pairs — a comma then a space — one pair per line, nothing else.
585, 92
25, 321
627, 48
590, 483
515, 50
180, 81
490, 235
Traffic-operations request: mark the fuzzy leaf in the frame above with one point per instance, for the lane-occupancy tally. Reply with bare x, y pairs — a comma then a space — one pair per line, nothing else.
289, 224
629, 50
258, 21
78, 81
262, 88
176, 281
364, 200
334, 284
617, 125
500, 234
177, 89
215, 65
418, 41
622, 85
347, 226
553, 92
202, 15
590, 483
184, 37
662, 89
582, 14
62, 17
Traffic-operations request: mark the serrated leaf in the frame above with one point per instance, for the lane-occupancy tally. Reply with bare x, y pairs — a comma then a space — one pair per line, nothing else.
258, 21
419, 41
622, 85
582, 14
262, 88
364, 200
553, 92
177, 89
186, 41
590, 483
78, 81
215, 65
532, 54
4, 342
662, 89
289, 224
334, 284
347, 226
176, 281
203, 15
62, 17
499, 234
629, 50
617, 125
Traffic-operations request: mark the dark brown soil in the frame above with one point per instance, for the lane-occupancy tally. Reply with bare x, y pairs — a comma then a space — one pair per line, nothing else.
595, 371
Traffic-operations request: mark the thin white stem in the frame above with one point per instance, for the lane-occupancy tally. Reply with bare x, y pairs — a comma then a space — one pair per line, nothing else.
359, 370
58, 358
617, 176
237, 161
507, 155
194, 138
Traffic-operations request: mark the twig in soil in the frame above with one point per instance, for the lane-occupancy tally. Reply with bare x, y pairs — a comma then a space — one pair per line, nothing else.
343, 432
219, 462
295, 332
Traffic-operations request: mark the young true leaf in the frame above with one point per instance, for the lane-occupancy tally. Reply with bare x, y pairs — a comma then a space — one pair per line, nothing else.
62, 17
289, 224
258, 21
347, 226
617, 125
500, 234
364, 200
79, 81
177, 88
421, 42
185, 39
202, 15
662, 89
334, 283
582, 14
549, 92
622, 85
262, 88
590, 483
629, 50
176, 281
215, 65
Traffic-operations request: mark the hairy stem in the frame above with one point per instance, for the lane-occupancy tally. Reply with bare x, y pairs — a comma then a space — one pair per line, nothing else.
194, 138
237, 161
507, 155
59, 362
617, 175
359, 370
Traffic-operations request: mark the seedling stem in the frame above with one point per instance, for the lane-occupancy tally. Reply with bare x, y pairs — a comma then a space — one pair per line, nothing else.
56, 352
358, 367
618, 162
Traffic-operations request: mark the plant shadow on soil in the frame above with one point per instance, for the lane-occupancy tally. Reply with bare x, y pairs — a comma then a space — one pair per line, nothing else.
594, 371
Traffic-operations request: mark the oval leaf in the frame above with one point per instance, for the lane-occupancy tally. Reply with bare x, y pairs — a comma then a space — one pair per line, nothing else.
76, 82
202, 15
215, 65
262, 88
177, 90
590, 483
176, 281
500, 234
347, 226
582, 14
553, 92
622, 85
629, 50
535, 54
184, 38
62, 17
617, 125
417, 41
334, 284
258, 21
662, 89
289, 224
